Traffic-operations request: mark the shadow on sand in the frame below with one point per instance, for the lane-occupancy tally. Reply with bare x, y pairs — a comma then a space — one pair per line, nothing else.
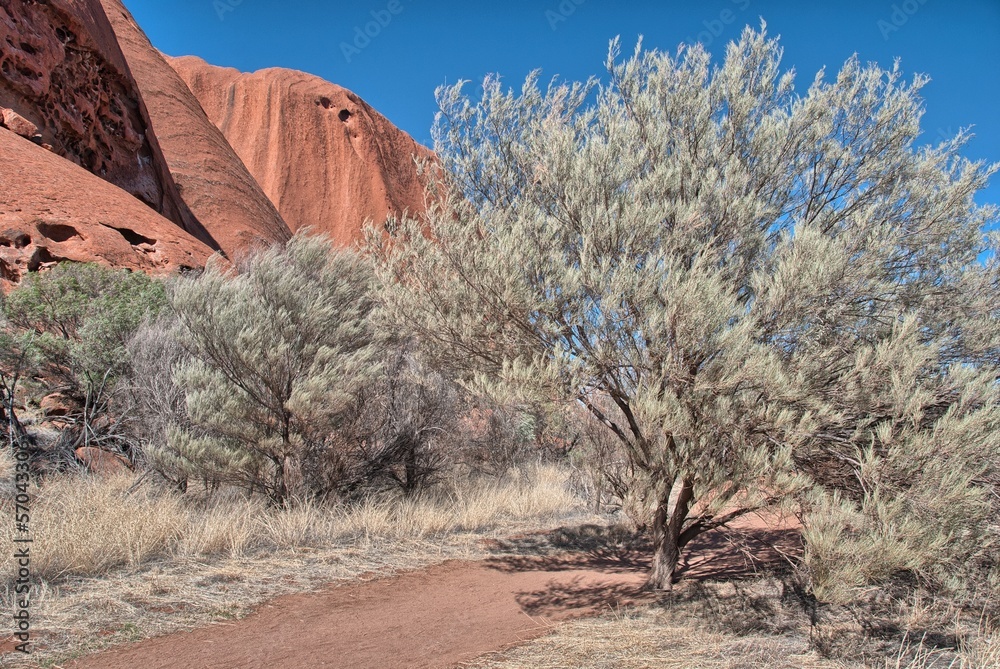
591, 551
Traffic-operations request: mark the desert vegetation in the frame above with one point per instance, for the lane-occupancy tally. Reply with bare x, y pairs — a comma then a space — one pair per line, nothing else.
685, 296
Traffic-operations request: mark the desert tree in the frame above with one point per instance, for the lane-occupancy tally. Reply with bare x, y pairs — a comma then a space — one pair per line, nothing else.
277, 353
410, 414
765, 295
66, 330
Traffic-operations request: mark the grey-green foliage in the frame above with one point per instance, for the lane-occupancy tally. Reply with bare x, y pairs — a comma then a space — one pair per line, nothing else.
773, 292
79, 318
66, 330
278, 352
158, 403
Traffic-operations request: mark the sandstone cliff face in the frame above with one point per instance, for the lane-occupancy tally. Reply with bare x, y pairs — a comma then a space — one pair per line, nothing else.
110, 152
61, 71
53, 210
212, 179
322, 155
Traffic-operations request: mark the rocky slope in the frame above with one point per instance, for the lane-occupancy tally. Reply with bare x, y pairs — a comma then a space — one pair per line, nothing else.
53, 210
64, 83
212, 179
111, 152
323, 156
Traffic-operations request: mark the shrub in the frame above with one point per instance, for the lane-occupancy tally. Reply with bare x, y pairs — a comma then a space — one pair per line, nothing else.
759, 293
278, 353
67, 329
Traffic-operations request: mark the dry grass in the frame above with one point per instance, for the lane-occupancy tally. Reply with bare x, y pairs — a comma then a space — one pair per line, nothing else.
88, 526
726, 625
648, 638
121, 559
118, 559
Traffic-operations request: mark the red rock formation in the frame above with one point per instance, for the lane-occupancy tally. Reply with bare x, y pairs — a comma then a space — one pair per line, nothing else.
322, 155
99, 461
56, 405
63, 72
212, 179
51, 210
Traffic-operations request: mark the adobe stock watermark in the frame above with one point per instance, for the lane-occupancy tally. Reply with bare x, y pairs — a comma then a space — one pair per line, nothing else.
363, 35
901, 13
714, 28
223, 7
562, 12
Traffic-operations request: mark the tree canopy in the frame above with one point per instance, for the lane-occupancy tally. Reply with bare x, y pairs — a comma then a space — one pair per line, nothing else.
766, 295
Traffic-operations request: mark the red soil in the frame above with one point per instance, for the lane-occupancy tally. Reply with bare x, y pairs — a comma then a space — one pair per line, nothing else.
436, 617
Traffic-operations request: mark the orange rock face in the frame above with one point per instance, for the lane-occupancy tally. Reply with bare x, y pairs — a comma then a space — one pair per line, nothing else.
322, 155
110, 152
98, 461
52, 210
62, 71
212, 179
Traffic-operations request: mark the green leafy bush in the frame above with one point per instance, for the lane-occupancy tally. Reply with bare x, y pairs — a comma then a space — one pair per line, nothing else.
66, 331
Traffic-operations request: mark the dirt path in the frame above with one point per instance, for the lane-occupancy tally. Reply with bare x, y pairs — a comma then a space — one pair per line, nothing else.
435, 617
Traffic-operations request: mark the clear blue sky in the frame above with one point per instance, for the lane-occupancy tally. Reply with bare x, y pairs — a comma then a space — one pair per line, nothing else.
422, 44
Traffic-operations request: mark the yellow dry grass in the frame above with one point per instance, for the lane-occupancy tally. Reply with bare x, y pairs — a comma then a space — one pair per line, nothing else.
121, 558
88, 526
710, 627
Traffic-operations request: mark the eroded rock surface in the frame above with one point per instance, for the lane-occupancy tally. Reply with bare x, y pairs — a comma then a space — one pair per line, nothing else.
62, 71
212, 179
52, 210
323, 156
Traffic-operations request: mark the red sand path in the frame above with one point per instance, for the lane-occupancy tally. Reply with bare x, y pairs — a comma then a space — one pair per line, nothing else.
435, 617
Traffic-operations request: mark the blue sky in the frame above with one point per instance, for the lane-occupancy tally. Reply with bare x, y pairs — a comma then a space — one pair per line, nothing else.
420, 44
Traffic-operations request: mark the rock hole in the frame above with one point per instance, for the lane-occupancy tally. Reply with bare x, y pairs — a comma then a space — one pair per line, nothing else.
15, 238
325, 102
41, 256
28, 49
133, 237
344, 115
56, 231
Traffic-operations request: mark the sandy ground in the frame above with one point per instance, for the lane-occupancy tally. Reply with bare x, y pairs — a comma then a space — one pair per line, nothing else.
436, 617
441, 616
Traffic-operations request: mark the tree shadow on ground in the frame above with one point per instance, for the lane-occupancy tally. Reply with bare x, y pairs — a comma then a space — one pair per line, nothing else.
605, 549
722, 554
582, 595
727, 554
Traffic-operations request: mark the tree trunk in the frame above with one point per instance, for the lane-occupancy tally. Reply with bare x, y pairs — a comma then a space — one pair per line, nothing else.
667, 525
279, 493
598, 491
291, 470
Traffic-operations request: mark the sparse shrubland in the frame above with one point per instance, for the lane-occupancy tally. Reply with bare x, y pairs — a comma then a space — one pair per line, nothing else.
684, 297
